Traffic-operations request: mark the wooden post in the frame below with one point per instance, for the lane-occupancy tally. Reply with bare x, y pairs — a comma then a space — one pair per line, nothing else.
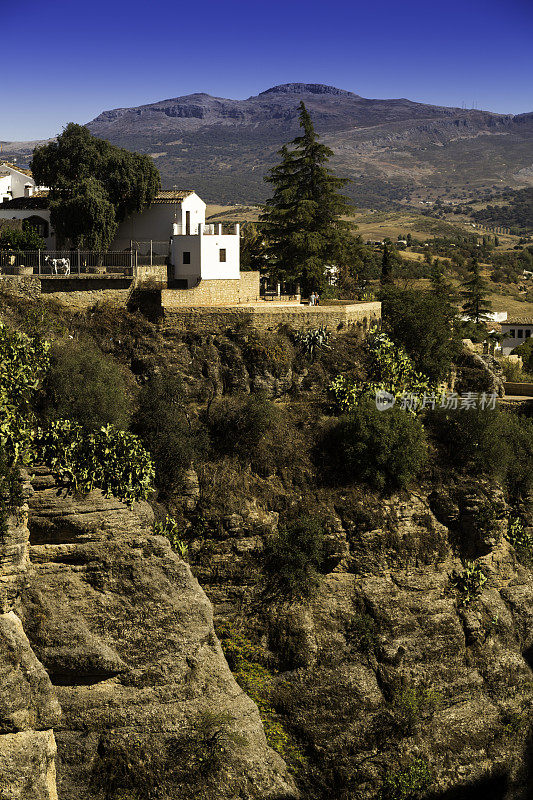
39, 263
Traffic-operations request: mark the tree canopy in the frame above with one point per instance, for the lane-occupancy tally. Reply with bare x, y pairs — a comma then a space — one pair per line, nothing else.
93, 185
476, 306
302, 220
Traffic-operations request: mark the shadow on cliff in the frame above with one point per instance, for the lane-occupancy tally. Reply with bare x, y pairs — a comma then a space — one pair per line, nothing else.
493, 787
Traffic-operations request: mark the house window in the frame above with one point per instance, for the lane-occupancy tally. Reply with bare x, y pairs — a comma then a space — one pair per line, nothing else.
186, 257
222, 254
520, 333
528, 333
512, 333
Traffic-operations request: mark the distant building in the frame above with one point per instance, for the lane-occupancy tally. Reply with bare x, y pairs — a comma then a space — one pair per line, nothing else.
515, 331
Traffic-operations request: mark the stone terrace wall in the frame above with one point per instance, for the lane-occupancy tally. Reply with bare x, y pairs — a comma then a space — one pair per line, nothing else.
271, 317
222, 293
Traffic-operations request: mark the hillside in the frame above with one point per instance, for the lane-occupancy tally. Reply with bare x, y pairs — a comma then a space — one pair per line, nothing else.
388, 148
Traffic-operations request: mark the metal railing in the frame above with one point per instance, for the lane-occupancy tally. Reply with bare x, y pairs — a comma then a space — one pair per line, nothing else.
80, 262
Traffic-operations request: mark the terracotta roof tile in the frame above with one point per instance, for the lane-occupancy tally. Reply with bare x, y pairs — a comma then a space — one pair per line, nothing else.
172, 196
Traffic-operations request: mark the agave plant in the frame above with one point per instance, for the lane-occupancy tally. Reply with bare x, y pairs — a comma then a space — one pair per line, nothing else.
312, 340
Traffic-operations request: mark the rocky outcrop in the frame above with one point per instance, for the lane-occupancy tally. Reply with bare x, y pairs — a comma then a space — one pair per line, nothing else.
149, 705
385, 665
29, 709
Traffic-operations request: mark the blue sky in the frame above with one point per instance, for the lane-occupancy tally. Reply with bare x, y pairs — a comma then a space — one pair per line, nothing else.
63, 60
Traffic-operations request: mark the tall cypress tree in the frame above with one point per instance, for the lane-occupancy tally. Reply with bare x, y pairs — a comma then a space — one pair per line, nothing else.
387, 278
476, 306
302, 220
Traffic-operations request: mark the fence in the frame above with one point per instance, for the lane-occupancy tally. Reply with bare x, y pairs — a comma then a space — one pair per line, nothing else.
80, 262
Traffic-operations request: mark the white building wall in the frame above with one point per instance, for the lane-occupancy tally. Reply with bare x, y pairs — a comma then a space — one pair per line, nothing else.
205, 251
189, 272
211, 266
155, 223
521, 334
15, 181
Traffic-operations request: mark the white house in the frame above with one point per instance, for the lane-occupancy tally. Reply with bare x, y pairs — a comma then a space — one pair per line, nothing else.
199, 251
15, 182
154, 224
515, 331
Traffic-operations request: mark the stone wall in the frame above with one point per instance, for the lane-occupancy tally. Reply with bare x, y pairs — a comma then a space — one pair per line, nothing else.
221, 293
151, 274
271, 316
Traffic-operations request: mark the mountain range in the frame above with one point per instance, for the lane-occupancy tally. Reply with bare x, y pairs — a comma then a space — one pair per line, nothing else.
390, 150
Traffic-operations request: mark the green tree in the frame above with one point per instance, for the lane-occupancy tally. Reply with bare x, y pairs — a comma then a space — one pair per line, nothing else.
302, 220
476, 306
15, 239
253, 250
93, 185
85, 386
387, 277
424, 324
440, 287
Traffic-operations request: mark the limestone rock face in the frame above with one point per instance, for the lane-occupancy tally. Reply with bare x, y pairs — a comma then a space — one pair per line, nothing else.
126, 633
383, 664
29, 708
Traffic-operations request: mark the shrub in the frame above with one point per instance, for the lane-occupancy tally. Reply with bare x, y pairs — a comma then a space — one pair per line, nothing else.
163, 425
111, 460
469, 583
386, 449
245, 661
293, 558
86, 386
268, 352
169, 528
253, 429
390, 369
413, 704
407, 783
23, 362
312, 341
490, 441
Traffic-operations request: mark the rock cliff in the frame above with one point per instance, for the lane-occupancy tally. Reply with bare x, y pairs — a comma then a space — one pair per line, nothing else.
120, 635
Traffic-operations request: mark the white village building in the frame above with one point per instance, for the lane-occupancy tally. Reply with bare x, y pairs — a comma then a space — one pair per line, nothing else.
15, 182
21, 199
515, 331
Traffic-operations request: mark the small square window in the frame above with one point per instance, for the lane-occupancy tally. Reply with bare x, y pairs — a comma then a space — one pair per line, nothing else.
520, 333
222, 254
186, 257
512, 333
528, 333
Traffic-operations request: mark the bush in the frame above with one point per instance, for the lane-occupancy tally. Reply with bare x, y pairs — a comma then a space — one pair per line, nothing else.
293, 558
469, 583
23, 362
253, 429
111, 460
268, 352
490, 441
86, 386
163, 425
407, 783
386, 449
414, 704
390, 369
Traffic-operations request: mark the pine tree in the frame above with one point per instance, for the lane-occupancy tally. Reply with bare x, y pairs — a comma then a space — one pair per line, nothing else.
476, 306
387, 278
302, 220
